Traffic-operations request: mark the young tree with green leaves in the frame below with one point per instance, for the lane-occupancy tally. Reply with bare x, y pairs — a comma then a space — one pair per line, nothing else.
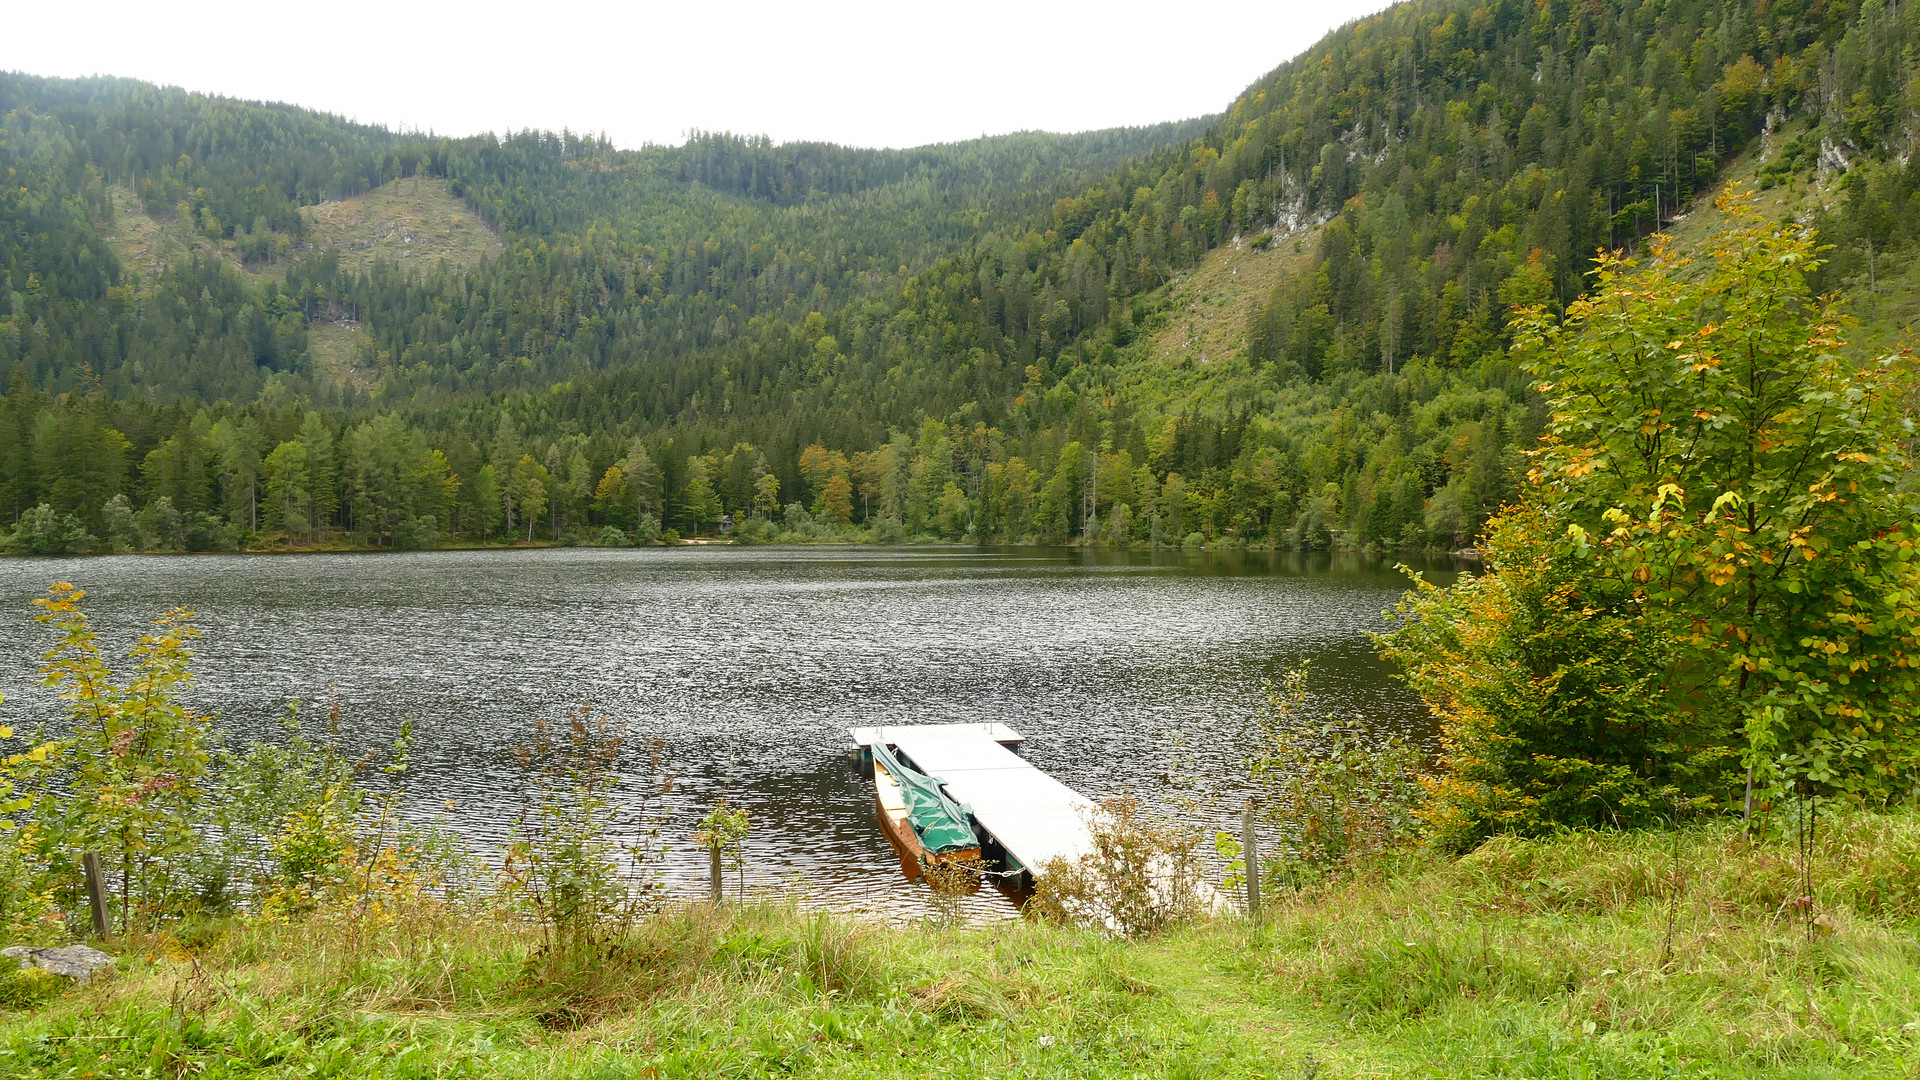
134, 760
322, 471
236, 446
530, 487
1714, 444
643, 479
289, 489
1716, 547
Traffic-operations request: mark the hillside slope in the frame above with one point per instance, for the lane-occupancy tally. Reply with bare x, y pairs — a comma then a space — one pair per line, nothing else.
967, 333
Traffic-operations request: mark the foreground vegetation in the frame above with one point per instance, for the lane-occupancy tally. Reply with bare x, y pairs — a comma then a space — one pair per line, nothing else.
1581, 955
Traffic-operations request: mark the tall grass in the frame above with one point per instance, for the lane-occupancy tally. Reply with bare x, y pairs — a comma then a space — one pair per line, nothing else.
1581, 955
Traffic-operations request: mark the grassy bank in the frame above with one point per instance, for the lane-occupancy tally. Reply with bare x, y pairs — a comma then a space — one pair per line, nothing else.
1648, 955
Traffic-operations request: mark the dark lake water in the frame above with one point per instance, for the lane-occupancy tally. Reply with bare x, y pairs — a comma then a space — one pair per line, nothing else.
751, 663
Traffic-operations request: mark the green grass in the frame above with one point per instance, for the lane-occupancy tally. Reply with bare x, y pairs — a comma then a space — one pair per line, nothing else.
337, 349
1602, 956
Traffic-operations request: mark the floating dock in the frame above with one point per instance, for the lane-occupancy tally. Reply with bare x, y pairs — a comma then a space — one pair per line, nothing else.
1027, 816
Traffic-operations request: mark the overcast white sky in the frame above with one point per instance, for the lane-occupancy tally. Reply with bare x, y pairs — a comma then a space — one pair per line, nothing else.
867, 74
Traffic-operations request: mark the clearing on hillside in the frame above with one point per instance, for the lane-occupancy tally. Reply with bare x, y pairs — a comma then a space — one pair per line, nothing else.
1886, 303
413, 221
336, 351
147, 246
1207, 309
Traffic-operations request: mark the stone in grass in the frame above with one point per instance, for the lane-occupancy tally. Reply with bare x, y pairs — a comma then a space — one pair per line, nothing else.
73, 961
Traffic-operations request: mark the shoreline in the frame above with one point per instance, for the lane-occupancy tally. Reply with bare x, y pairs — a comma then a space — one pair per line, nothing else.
1470, 555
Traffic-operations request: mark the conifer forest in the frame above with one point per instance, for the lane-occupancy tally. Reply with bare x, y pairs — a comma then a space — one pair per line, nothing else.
1002, 340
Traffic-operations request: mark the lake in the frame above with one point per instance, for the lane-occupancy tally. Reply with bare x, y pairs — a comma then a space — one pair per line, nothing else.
751, 663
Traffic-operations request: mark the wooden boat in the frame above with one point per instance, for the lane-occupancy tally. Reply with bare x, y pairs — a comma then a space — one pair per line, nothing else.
896, 820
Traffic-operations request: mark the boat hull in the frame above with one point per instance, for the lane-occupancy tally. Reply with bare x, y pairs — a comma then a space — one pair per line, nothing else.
890, 805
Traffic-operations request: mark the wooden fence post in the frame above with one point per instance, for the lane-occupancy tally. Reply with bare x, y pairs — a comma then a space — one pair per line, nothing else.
714, 868
96, 893
1250, 854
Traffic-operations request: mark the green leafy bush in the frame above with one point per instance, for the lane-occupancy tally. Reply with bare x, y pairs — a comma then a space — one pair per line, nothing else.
416, 533
1715, 557
1337, 793
184, 827
1554, 695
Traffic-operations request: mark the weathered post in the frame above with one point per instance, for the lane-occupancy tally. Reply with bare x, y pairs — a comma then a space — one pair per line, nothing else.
1250, 853
96, 893
714, 868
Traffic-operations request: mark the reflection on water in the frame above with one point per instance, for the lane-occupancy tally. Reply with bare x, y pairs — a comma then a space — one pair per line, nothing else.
752, 663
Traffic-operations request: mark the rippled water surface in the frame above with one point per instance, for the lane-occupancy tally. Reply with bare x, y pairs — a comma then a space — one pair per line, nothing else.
751, 664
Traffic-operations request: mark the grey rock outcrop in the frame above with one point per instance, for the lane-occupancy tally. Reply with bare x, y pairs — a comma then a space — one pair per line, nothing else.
73, 961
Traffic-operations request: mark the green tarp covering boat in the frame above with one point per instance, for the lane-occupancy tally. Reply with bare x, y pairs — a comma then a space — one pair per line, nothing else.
941, 824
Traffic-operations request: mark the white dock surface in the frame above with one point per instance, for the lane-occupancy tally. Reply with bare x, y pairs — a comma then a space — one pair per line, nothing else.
863, 737
1035, 817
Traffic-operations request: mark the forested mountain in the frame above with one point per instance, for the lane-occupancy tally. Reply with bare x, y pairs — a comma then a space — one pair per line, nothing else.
968, 340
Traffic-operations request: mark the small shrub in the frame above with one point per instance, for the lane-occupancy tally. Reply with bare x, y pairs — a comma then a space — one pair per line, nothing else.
123, 534
754, 530
578, 859
417, 533
160, 526
1552, 687
29, 911
950, 883
45, 531
342, 853
1337, 793
1144, 874
612, 536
